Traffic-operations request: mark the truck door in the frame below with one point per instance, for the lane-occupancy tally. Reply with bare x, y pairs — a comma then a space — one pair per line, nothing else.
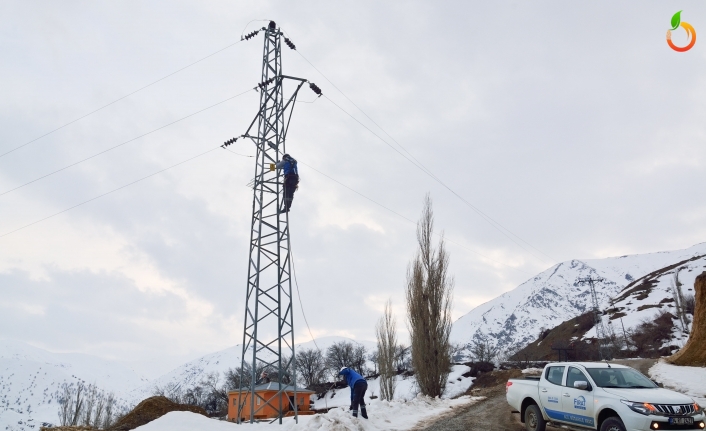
577, 404
550, 389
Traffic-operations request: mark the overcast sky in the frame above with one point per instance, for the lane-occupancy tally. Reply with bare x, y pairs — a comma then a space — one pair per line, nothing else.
572, 124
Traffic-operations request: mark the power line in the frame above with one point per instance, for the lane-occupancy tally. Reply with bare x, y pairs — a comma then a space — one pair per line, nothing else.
435, 178
403, 217
409, 220
112, 191
123, 143
120, 98
424, 169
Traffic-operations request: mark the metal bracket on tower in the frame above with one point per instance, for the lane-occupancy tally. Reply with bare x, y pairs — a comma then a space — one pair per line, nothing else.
268, 335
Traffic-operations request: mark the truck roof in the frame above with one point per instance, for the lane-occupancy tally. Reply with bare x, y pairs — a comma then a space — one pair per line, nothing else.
588, 364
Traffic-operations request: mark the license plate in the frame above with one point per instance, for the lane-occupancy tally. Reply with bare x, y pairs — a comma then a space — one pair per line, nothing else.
681, 421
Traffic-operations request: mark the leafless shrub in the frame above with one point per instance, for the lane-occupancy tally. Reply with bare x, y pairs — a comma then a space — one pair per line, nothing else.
108, 418
386, 332
689, 304
403, 358
429, 297
373, 357
345, 354
85, 405
650, 335
310, 366
483, 350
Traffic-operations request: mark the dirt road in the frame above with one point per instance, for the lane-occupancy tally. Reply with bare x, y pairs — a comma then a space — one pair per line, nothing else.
493, 413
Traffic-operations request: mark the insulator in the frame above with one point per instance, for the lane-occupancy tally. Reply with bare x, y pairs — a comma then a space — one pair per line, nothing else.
315, 88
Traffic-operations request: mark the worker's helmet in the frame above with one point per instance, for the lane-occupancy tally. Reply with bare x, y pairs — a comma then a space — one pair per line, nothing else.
343, 368
286, 157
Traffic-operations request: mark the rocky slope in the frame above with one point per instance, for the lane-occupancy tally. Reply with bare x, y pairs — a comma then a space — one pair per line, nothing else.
516, 318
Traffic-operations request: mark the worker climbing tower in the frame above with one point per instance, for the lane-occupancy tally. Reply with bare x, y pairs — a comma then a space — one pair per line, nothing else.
268, 335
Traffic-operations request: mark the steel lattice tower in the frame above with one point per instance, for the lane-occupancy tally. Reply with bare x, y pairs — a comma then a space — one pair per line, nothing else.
597, 319
268, 335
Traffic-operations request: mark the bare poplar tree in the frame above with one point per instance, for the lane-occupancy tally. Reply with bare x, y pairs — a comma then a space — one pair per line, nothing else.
387, 343
429, 296
679, 300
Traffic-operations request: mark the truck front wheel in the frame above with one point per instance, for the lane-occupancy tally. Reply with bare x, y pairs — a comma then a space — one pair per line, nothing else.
612, 424
534, 421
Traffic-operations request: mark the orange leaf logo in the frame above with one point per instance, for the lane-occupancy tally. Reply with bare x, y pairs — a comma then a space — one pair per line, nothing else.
690, 32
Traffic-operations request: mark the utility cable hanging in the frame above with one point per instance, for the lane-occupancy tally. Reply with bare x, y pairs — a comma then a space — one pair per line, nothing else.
420, 166
115, 190
398, 215
121, 98
123, 143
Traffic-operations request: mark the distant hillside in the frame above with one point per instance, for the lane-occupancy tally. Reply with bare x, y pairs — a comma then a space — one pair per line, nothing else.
31, 377
516, 318
646, 304
194, 372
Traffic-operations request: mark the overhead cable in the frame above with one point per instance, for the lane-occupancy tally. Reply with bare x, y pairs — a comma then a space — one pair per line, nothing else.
123, 143
402, 216
420, 166
121, 98
410, 220
114, 190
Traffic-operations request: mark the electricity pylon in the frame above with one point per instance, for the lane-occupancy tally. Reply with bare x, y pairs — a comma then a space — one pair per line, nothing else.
597, 319
268, 334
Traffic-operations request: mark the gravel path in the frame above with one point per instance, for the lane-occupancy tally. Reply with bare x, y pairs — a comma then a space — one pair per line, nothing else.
491, 414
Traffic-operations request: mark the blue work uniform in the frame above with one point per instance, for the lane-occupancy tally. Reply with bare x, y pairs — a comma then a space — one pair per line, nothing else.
358, 387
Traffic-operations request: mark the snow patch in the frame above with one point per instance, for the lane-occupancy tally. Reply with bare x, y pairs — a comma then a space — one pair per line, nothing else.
687, 380
383, 415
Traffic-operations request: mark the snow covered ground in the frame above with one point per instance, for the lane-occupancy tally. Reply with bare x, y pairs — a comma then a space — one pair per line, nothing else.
383, 415
687, 380
405, 390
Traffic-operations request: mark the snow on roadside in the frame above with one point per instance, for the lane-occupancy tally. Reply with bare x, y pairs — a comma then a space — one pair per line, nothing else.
406, 389
687, 380
384, 415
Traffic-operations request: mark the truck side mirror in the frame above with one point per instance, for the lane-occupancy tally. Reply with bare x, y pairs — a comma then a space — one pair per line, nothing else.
581, 384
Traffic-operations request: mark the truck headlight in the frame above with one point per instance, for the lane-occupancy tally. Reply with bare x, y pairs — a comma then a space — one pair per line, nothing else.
642, 408
697, 407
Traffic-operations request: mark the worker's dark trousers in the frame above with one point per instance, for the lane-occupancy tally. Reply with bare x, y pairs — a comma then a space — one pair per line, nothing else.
290, 186
358, 397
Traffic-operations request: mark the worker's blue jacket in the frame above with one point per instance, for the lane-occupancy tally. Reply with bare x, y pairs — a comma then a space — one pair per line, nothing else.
351, 378
289, 166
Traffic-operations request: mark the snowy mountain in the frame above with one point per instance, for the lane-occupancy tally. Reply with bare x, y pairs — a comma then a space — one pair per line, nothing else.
30, 379
646, 296
515, 318
193, 372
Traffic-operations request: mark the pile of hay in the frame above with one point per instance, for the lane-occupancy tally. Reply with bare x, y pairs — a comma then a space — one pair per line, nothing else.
150, 409
693, 353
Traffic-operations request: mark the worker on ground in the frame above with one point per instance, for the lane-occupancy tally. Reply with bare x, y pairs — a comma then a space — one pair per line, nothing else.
358, 387
291, 179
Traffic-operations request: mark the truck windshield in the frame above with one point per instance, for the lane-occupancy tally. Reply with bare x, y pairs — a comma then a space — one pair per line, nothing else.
619, 378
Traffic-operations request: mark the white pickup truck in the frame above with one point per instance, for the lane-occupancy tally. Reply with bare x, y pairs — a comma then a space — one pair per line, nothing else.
600, 396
